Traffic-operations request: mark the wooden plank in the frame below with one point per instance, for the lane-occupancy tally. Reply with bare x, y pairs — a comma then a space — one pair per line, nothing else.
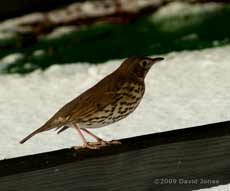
185, 159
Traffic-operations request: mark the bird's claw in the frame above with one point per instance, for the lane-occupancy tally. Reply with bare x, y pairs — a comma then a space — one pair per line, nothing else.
97, 144
86, 145
115, 142
105, 143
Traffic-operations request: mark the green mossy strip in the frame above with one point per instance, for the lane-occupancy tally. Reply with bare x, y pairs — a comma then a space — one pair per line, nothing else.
195, 28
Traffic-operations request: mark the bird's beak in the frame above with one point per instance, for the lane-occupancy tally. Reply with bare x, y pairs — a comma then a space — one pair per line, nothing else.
157, 59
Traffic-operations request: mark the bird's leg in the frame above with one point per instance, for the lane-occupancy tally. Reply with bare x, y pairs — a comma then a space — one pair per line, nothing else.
100, 141
85, 143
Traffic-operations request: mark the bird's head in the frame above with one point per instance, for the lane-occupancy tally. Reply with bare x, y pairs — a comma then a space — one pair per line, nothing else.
138, 66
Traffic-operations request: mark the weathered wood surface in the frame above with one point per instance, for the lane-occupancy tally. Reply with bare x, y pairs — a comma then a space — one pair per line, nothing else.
162, 161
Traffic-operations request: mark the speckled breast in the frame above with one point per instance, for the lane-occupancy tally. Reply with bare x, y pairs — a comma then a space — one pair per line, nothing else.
126, 101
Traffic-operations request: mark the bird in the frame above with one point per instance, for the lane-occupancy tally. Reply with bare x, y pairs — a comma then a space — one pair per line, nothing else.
113, 98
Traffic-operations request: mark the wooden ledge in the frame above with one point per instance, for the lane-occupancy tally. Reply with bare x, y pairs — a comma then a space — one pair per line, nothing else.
184, 159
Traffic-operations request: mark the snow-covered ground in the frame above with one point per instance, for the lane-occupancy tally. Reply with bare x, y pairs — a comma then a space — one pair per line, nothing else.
187, 89
217, 188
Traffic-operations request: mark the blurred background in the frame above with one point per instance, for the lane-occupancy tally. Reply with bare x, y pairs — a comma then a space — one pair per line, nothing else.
35, 34
51, 51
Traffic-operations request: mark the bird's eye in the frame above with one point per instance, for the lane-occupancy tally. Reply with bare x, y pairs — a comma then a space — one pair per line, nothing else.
144, 63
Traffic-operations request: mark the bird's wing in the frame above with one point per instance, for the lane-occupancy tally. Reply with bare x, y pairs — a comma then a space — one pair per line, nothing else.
92, 100
86, 103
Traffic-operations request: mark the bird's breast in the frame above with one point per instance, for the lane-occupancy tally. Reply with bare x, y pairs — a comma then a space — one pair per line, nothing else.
126, 100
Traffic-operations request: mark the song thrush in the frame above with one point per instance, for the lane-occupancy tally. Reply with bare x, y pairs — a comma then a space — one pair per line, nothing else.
110, 100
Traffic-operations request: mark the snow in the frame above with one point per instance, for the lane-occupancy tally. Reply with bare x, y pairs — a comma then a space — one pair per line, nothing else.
189, 88
217, 188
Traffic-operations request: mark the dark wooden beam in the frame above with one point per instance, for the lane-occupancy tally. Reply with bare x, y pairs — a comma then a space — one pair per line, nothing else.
184, 159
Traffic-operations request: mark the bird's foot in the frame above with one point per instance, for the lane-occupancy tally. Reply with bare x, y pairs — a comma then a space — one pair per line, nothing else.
114, 142
101, 142
87, 145
97, 145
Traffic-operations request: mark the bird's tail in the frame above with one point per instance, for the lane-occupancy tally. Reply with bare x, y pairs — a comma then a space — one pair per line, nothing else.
45, 127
